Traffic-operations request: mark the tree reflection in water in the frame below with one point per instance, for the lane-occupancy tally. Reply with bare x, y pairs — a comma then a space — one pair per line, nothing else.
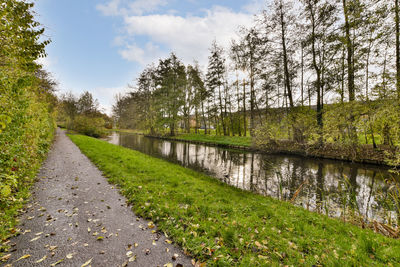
331, 187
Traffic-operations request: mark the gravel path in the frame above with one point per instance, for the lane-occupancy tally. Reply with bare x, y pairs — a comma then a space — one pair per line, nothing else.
75, 217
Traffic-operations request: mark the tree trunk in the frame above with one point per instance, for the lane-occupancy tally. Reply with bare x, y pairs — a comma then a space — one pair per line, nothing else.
302, 73
318, 72
349, 46
252, 96
285, 59
238, 105
244, 108
221, 110
396, 9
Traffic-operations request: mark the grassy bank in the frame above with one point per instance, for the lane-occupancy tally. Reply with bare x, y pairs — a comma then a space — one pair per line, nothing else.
244, 141
225, 226
354, 153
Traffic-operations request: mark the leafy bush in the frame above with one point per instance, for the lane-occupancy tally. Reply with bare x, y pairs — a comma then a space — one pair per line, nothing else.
90, 126
26, 109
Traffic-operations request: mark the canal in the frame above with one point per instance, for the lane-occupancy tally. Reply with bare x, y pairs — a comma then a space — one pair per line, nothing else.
331, 187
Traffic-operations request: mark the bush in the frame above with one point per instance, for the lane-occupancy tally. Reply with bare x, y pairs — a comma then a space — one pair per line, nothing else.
90, 126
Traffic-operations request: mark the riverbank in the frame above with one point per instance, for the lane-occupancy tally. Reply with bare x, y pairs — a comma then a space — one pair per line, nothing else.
358, 154
225, 226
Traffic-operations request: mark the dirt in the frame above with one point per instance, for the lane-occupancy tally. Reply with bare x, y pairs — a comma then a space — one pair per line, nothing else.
76, 217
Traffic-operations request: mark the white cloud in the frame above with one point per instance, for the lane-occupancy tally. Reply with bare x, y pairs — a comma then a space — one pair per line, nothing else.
143, 55
188, 36
126, 7
255, 6
106, 96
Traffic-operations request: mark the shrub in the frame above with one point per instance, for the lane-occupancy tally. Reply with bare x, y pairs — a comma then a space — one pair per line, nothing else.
90, 126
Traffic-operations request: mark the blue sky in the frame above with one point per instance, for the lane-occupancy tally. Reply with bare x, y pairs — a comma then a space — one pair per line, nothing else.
101, 45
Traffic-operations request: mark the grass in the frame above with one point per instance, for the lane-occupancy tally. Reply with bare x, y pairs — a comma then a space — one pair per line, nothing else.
225, 226
217, 139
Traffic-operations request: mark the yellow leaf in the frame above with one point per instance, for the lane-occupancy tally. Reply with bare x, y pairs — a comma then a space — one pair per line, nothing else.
5, 258
58, 262
24, 257
168, 265
42, 259
86, 263
36, 238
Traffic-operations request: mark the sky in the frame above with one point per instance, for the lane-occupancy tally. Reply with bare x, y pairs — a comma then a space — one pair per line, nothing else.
101, 46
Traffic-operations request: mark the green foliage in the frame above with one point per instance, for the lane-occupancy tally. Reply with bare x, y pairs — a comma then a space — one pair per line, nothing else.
217, 139
90, 126
82, 115
344, 125
225, 226
26, 108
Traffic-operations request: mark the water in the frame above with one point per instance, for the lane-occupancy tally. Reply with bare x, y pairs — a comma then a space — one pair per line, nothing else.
324, 186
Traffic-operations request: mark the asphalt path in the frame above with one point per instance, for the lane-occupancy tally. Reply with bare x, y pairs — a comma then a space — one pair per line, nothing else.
75, 217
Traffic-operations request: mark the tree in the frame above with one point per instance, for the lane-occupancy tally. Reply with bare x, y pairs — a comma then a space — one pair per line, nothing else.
321, 17
199, 94
251, 53
171, 81
215, 77
87, 104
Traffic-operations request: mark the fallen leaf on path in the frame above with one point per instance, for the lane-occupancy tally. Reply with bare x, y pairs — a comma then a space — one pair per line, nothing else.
86, 263
168, 241
99, 238
133, 258
51, 248
42, 259
70, 255
136, 245
154, 243
23, 257
129, 254
56, 263
5, 258
168, 265
34, 239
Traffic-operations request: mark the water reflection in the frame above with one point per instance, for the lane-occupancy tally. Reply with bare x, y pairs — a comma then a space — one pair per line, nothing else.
324, 186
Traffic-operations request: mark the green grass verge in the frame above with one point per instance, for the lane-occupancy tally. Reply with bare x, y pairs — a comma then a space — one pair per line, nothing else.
217, 139
225, 226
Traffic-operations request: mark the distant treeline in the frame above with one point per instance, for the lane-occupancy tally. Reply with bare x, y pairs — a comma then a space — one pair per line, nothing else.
82, 114
297, 54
